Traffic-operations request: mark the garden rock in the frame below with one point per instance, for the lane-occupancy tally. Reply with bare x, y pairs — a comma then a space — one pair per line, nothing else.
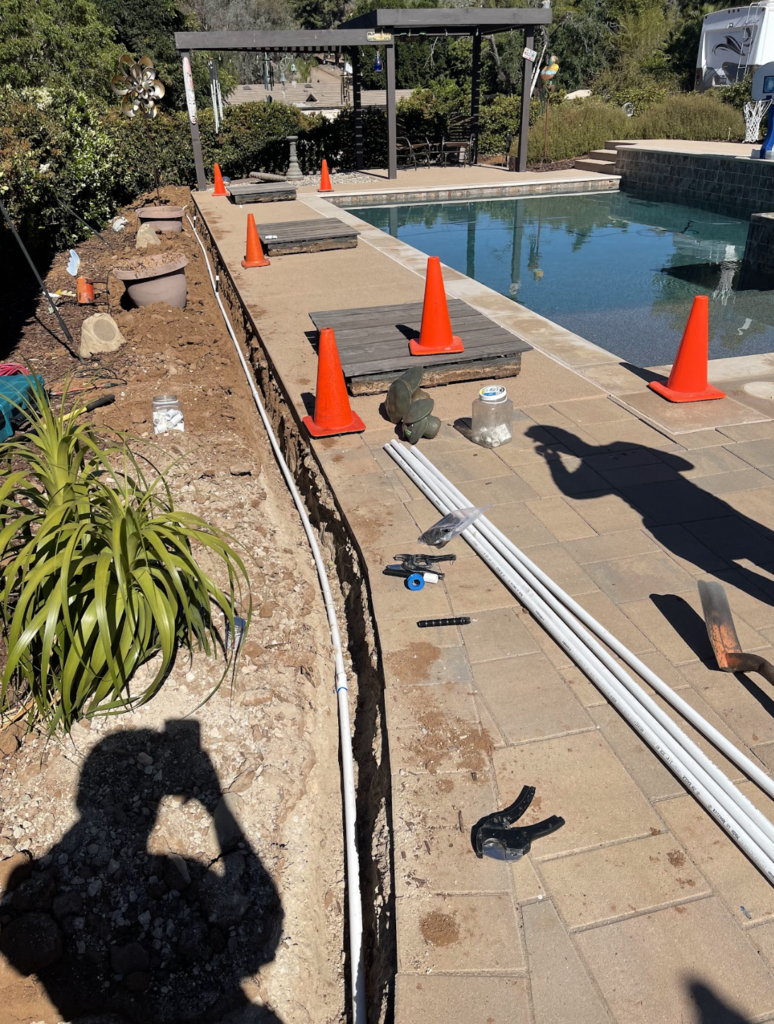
146, 235
100, 333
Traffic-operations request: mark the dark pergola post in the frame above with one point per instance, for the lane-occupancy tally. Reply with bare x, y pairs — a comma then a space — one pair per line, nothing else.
475, 94
392, 124
357, 109
526, 82
193, 121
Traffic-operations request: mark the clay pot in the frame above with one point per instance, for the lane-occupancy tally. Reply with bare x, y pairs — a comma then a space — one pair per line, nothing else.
156, 281
162, 218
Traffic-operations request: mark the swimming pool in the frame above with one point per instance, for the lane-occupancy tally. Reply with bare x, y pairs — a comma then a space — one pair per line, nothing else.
617, 270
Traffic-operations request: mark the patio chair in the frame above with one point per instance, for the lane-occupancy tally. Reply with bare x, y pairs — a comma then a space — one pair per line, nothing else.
404, 151
458, 142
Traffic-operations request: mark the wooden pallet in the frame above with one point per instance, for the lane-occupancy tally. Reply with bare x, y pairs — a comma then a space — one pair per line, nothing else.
373, 346
261, 192
306, 236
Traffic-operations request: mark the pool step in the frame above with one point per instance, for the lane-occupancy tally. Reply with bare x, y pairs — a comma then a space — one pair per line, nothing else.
593, 163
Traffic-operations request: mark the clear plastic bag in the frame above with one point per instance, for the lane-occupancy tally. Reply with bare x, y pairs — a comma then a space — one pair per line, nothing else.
446, 529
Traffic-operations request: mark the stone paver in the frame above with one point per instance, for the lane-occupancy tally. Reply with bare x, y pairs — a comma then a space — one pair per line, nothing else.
490, 1000
582, 780
562, 992
685, 963
528, 698
458, 934
621, 880
632, 911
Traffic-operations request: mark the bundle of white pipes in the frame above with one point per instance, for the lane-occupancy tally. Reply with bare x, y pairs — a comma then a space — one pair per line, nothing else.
566, 621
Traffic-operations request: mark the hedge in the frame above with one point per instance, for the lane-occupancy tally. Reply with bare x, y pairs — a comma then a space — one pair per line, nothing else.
63, 146
576, 128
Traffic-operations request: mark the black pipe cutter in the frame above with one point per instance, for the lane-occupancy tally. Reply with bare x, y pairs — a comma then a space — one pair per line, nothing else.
493, 836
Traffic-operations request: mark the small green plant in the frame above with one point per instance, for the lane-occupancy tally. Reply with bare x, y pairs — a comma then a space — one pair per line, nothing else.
97, 573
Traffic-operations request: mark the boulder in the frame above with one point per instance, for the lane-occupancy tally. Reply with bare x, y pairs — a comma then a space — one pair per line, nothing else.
146, 235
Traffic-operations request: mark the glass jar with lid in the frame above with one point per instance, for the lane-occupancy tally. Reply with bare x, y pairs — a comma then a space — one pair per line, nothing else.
492, 419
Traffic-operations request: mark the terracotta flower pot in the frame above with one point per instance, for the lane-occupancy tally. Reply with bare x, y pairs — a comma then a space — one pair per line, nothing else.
163, 218
153, 280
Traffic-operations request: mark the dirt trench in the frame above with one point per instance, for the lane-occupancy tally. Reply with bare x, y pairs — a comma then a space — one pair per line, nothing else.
185, 863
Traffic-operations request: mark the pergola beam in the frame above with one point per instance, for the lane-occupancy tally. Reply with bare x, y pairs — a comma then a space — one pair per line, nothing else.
301, 39
451, 21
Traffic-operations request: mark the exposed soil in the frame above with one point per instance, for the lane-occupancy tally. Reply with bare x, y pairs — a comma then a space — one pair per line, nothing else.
183, 862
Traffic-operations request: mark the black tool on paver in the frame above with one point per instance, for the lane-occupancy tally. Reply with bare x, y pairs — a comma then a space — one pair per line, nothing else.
410, 564
493, 836
458, 620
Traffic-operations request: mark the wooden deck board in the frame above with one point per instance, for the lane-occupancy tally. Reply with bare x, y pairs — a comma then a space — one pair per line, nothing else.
306, 236
373, 345
243, 192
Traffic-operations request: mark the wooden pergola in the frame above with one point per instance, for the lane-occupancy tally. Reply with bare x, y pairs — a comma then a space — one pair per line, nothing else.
404, 23
380, 28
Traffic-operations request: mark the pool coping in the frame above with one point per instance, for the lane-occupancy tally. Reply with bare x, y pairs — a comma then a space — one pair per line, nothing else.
405, 195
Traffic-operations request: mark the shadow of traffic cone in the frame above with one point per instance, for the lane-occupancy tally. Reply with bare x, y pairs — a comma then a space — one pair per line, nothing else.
220, 188
254, 256
325, 179
435, 335
688, 379
332, 411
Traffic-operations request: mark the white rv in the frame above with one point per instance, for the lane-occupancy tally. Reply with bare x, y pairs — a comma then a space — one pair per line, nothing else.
734, 42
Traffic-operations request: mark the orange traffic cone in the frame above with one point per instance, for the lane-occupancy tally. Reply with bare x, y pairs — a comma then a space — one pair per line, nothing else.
688, 379
254, 256
435, 335
332, 411
325, 179
220, 188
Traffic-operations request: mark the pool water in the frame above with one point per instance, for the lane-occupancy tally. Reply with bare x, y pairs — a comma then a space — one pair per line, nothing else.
617, 270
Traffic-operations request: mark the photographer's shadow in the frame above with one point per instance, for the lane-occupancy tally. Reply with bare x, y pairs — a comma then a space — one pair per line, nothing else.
688, 521
110, 928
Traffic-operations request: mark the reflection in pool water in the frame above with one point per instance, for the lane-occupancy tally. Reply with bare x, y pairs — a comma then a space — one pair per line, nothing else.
617, 270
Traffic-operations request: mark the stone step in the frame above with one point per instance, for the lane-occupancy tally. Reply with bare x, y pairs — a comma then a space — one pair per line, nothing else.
600, 166
601, 154
615, 143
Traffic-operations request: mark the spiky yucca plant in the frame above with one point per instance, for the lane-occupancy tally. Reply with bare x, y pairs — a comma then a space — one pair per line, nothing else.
97, 572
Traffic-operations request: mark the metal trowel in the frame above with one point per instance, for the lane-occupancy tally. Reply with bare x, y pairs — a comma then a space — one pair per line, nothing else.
722, 634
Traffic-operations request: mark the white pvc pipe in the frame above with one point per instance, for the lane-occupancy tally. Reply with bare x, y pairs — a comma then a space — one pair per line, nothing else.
725, 746
485, 528
355, 908
734, 821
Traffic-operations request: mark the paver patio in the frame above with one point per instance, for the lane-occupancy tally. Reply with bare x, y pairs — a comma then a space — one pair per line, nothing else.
640, 908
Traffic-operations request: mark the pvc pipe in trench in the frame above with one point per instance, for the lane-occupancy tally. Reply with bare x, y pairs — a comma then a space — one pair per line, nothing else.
734, 820
355, 906
534, 578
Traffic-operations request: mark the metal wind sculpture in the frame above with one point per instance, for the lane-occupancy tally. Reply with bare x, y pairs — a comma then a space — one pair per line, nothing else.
141, 90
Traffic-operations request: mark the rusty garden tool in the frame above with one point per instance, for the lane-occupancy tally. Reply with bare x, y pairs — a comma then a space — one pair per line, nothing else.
722, 634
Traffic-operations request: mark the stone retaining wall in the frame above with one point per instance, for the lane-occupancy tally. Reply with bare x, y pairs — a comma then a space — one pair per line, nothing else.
732, 185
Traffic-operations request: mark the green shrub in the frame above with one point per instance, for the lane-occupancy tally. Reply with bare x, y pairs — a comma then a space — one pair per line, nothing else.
575, 128
695, 116
498, 119
98, 573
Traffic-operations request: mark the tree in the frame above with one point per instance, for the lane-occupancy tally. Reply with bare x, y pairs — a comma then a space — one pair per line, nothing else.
55, 43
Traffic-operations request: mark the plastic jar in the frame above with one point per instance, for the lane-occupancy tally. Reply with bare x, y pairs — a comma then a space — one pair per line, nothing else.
492, 419
167, 414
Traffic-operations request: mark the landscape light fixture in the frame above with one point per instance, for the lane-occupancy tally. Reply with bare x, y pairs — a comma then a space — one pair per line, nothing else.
378, 66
